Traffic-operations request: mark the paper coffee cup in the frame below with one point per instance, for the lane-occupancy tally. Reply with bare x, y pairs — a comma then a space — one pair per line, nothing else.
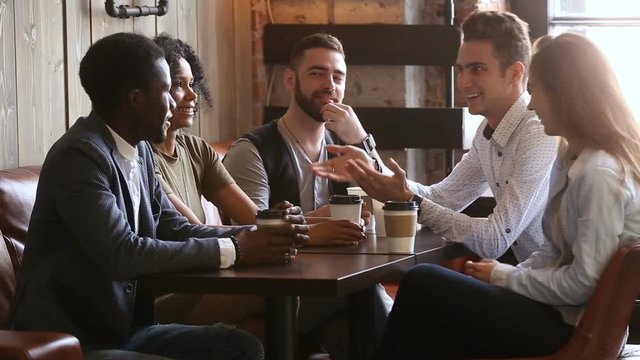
367, 205
346, 207
270, 217
400, 220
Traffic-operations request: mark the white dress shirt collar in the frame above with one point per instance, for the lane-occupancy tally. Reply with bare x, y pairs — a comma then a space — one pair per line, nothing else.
511, 120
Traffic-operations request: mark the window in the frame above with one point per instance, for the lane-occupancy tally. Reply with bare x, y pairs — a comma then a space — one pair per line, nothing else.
615, 26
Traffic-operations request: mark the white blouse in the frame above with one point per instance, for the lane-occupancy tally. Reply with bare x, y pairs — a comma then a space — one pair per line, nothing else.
594, 209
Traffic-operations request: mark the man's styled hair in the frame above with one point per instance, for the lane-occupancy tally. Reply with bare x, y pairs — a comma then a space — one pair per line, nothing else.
115, 65
319, 40
586, 97
506, 31
174, 50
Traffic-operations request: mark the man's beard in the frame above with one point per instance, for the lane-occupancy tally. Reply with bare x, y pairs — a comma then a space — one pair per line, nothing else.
307, 105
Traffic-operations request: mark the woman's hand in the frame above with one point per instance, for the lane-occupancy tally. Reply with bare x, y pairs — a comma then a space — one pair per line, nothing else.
480, 270
335, 233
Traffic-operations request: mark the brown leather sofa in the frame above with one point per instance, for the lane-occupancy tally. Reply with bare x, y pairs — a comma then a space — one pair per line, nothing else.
17, 195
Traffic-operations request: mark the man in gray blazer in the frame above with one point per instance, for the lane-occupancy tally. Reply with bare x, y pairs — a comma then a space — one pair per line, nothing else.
101, 220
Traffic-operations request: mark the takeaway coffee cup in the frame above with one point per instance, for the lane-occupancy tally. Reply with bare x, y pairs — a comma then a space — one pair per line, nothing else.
400, 220
367, 205
346, 207
270, 217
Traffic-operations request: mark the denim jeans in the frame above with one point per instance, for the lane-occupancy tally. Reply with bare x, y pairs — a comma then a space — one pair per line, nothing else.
189, 342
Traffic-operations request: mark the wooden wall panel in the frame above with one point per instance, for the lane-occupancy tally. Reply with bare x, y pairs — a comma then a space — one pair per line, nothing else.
41, 95
8, 88
145, 24
78, 36
218, 53
243, 54
187, 30
40, 78
169, 22
102, 24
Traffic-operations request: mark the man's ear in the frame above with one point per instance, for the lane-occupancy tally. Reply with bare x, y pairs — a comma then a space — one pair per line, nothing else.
135, 98
517, 72
289, 78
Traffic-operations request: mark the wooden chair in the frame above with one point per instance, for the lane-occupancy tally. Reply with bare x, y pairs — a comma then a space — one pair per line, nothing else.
601, 331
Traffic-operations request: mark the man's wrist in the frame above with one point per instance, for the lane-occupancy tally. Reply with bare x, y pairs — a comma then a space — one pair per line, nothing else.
418, 200
368, 144
236, 245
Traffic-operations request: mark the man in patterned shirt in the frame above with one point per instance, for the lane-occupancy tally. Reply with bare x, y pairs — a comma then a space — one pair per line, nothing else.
511, 155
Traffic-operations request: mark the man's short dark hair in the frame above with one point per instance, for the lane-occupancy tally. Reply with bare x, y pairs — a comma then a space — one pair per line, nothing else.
506, 31
319, 40
115, 65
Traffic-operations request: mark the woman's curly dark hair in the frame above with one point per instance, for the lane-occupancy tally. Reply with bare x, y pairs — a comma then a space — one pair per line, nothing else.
174, 49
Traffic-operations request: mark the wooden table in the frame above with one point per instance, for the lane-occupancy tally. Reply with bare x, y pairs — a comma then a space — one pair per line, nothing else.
429, 248
322, 275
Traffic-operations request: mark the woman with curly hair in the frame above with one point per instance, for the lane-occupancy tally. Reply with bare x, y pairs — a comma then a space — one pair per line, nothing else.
187, 166
188, 169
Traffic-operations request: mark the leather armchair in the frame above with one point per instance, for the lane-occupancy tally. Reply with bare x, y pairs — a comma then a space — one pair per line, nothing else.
17, 196
601, 331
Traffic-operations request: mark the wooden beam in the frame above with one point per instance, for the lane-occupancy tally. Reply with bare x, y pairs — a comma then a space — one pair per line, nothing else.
372, 44
412, 128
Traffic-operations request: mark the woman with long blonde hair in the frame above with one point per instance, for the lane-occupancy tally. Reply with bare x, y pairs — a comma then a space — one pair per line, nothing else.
531, 309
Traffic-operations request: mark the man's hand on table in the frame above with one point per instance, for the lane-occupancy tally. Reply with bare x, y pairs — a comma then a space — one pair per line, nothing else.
335, 233
293, 214
271, 245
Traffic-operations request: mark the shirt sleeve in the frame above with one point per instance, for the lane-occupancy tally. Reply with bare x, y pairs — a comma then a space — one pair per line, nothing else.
227, 253
247, 169
212, 175
522, 199
161, 170
464, 185
599, 202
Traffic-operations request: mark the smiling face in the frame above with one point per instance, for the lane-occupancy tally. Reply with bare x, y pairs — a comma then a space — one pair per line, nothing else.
184, 96
319, 79
488, 89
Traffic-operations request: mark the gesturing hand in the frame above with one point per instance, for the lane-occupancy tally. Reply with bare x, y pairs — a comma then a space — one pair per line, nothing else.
334, 169
379, 186
271, 245
480, 270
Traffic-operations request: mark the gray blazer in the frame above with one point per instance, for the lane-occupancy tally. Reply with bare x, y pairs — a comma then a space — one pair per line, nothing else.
82, 256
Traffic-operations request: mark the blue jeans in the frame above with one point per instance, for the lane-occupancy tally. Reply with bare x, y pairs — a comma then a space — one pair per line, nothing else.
176, 341
442, 314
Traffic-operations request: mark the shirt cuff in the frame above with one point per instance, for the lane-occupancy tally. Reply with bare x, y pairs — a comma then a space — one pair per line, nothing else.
500, 273
227, 252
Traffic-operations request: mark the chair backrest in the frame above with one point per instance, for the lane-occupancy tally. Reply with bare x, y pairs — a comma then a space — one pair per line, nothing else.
601, 332
17, 196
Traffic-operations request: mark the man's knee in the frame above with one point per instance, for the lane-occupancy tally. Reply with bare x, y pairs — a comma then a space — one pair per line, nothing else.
245, 345
420, 274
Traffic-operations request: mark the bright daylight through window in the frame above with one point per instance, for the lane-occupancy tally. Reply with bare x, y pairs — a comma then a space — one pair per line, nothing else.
615, 26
